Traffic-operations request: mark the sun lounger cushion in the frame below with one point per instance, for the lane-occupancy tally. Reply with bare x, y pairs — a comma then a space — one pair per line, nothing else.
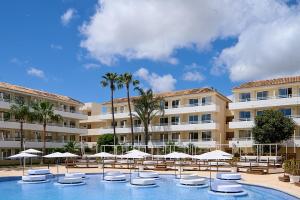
226, 187
108, 161
188, 176
38, 171
115, 178
192, 182
149, 175
126, 161
70, 180
113, 173
143, 181
150, 162
76, 174
229, 176
33, 178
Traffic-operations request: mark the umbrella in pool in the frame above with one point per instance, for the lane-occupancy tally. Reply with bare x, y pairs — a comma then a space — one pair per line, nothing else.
23, 156
69, 155
213, 155
55, 155
134, 155
178, 155
102, 155
32, 151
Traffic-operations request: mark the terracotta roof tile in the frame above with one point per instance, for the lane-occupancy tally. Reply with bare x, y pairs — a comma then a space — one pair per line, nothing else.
38, 93
171, 94
270, 82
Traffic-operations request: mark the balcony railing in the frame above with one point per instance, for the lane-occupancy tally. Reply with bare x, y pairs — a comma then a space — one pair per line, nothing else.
242, 139
17, 139
166, 124
55, 108
169, 107
266, 98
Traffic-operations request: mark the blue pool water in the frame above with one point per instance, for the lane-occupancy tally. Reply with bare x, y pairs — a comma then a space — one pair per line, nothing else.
96, 189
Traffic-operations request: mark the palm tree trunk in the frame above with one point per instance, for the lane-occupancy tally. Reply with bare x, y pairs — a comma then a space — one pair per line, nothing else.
113, 114
130, 114
44, 138
21, 134
146, 135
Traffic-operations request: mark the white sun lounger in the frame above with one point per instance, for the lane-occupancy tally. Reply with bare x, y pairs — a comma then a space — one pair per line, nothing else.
34, 178
70, 180
228, 176
38, 172
75, 174
188, 176
192, 182
148, 174
115, 178
143, 182
226, 187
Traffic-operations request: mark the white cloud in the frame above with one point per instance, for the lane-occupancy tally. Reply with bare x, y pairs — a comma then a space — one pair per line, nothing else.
158, 83
36, 72
56, 46
264, 50
91, 66
193, 76
67, 16
136, 29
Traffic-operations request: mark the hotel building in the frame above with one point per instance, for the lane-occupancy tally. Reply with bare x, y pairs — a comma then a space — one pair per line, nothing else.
251, 98
194, 116
58, 134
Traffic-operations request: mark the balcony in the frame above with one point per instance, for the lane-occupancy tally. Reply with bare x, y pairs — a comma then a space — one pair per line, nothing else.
273, 101
35, 143
38, 127
241, 142
242, 124
183, 126
181, 109
6, 104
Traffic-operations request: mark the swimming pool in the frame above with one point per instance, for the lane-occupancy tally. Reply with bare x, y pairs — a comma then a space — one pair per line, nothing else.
96, 189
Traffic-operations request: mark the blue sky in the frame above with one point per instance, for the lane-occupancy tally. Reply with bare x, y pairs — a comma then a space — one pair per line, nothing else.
65, 46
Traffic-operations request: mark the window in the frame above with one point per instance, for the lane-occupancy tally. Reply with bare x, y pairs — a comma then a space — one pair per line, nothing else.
263, 95
245, 116
245, 97
175, 103
193, 119
19, 99
175, 120
89, 113
164, 104
206, 135
122, 109
6, 116
206, 100
206, 118
72, 109
115, 109
259, 112
5, 96
285, 92
163, 121
175, 136
89, 126
72, 137
287, 112
138, 138
193, 135
137, 123
123, 123
244, 134
72, 124
116, 124
163, 137
193, 102
122, 139
229, 135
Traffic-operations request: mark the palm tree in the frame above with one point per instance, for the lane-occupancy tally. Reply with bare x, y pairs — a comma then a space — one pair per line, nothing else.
126, 80
71, 147
44, 113
22, 113
110, 79
147, 106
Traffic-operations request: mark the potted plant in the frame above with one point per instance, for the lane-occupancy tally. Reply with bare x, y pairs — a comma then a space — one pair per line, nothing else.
286, 168
294, 171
